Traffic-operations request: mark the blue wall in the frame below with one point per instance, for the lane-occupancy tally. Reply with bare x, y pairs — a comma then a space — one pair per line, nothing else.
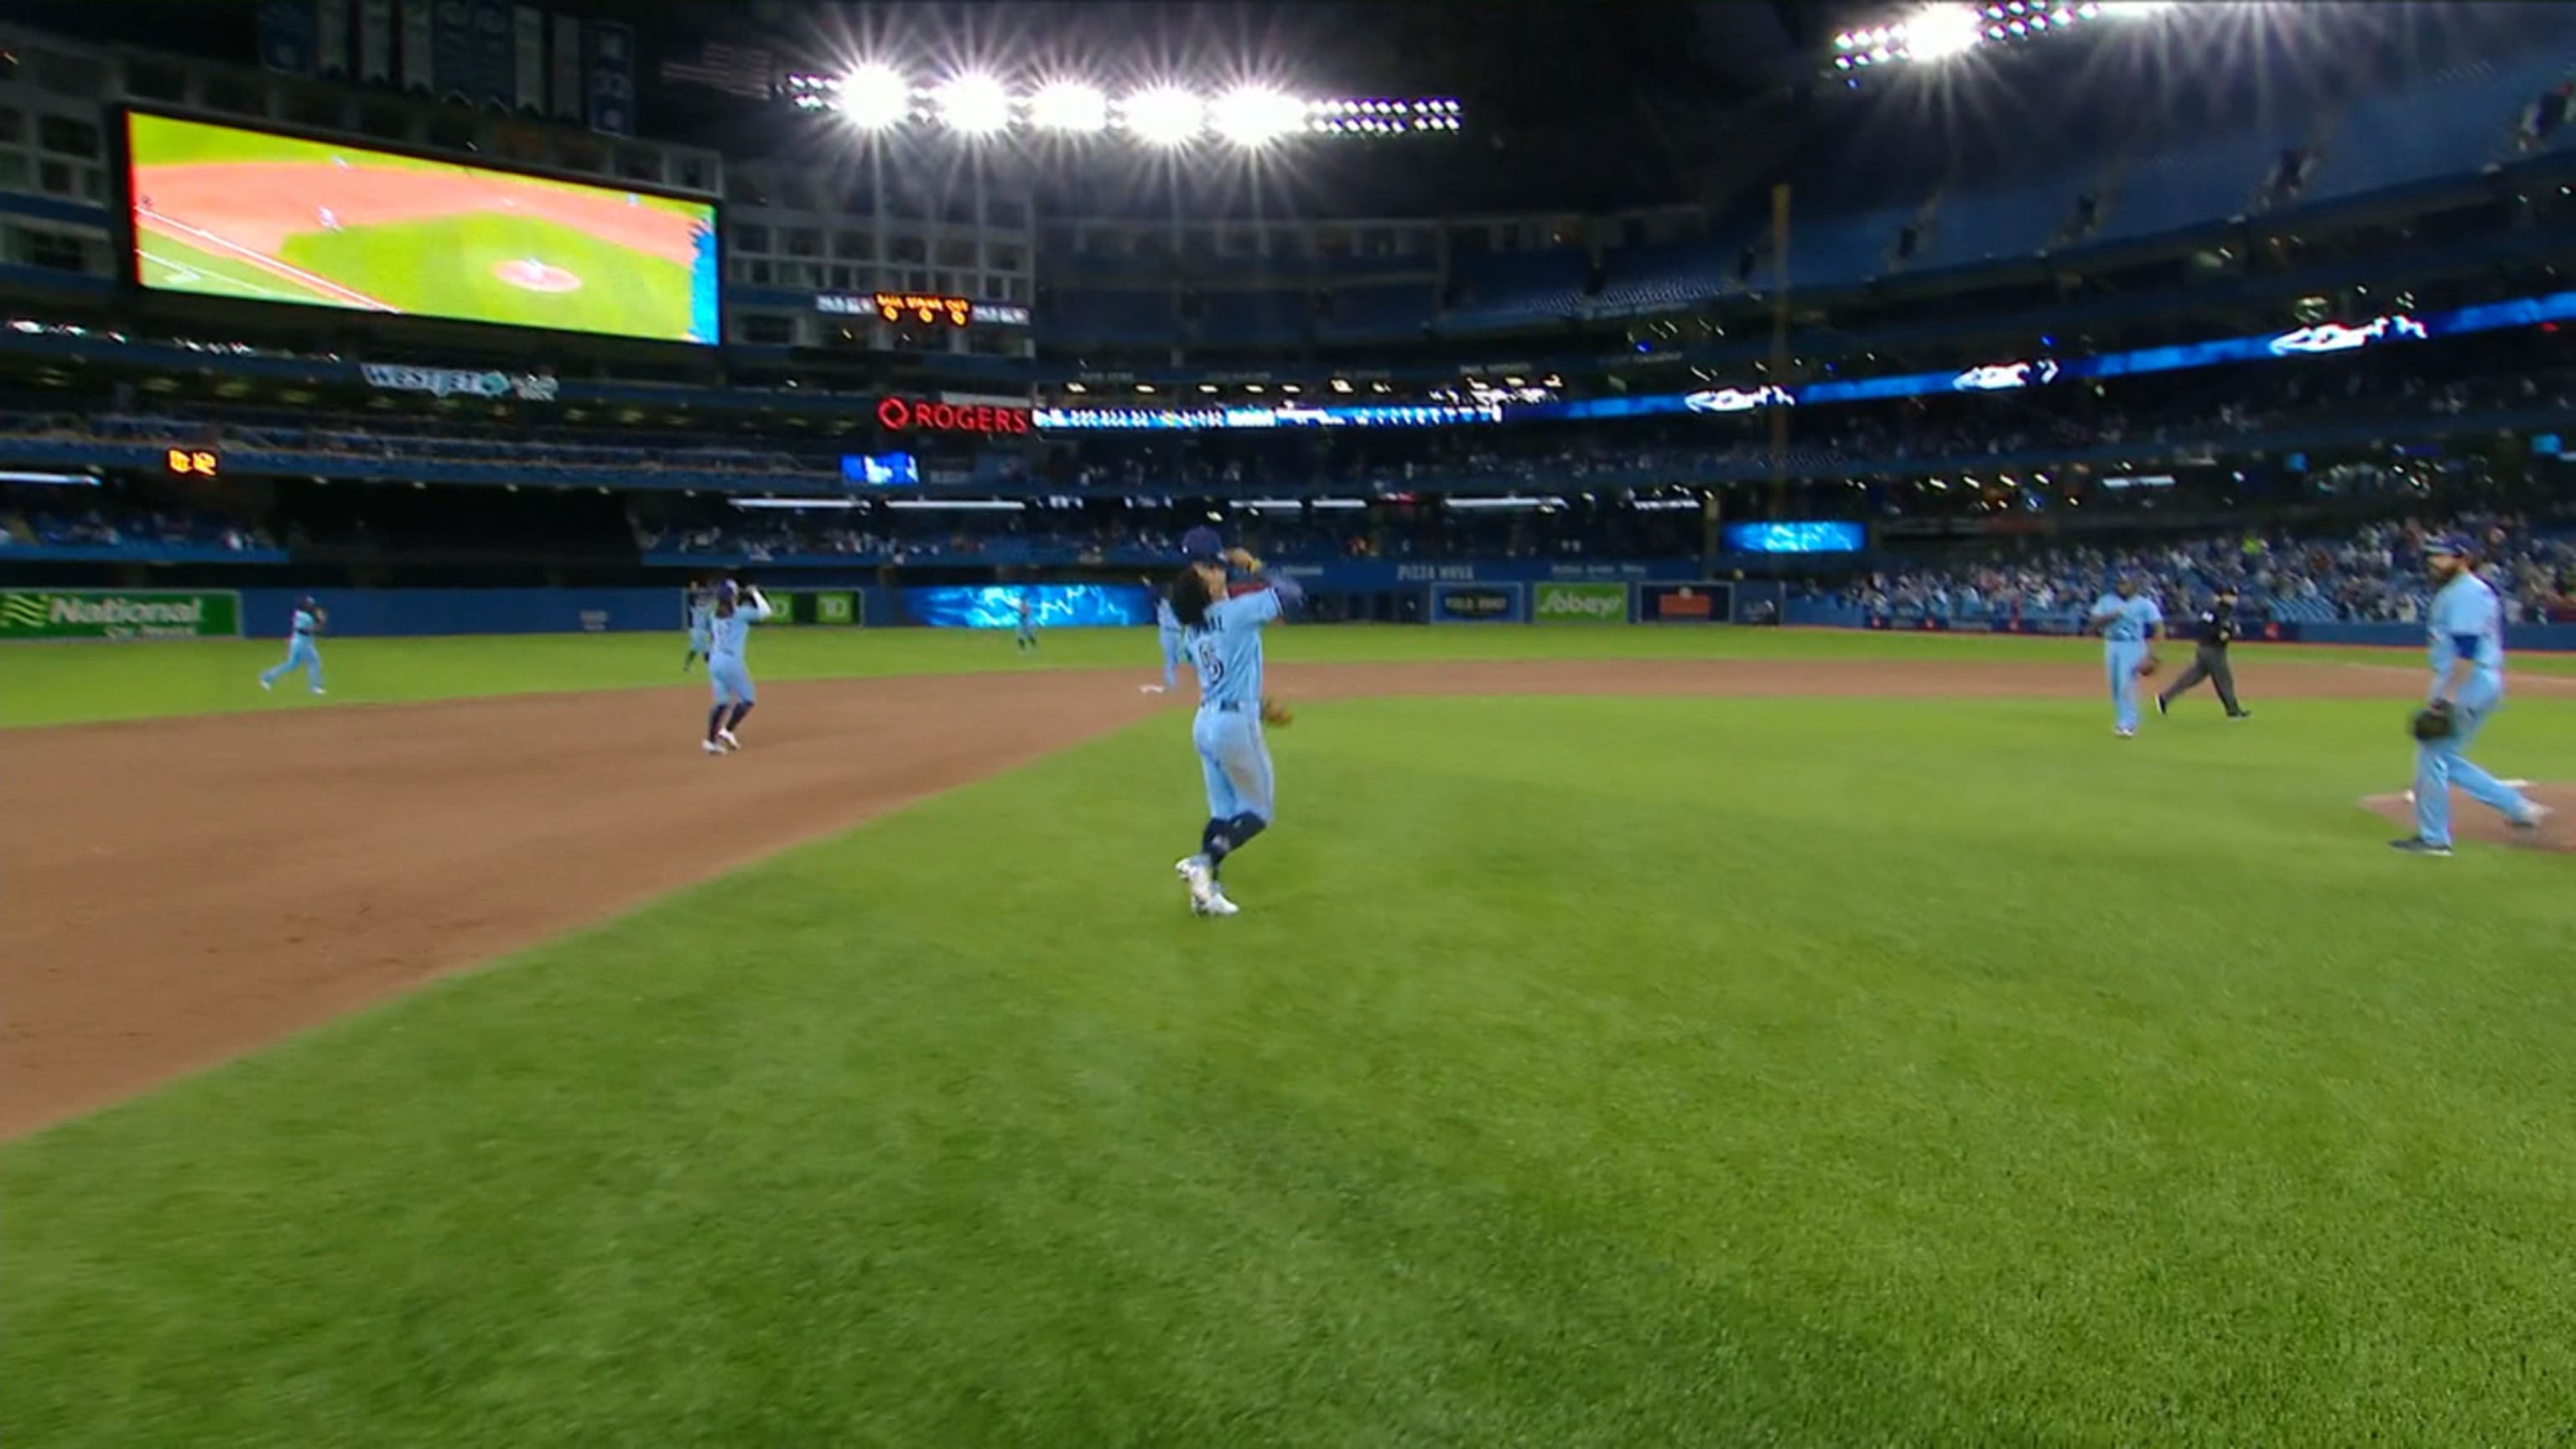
467, 611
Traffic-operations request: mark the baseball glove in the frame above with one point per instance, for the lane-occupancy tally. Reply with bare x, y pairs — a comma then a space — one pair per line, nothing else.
1275, 713
2149, 665
2432, 722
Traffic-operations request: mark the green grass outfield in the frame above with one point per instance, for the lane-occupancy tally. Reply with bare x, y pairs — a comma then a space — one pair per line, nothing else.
1582, 1072
623, 292
73, 682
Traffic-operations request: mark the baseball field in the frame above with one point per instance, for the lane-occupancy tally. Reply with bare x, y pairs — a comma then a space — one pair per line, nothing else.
1631, 1037
227, 212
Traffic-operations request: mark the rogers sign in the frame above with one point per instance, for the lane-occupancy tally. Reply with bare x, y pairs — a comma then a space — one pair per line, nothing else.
924, 415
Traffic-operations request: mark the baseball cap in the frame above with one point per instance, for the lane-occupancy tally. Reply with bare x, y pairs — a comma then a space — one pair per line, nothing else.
1202, 543
2447, 543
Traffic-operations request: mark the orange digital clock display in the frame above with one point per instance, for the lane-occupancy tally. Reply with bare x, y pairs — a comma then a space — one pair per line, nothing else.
925, 307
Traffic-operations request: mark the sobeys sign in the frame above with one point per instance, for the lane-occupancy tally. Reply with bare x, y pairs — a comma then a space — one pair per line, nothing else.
1580, 604
118, 614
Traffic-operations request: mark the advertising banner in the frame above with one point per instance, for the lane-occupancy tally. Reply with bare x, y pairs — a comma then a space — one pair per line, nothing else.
997, 606
528, 58
1580, 604
419, 47
455, 381
496, 82
1685, 603
119, 614
375, 41
608, 66
1476, 603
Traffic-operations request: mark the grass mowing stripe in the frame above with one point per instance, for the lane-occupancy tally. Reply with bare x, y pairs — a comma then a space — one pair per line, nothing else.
1581, 1072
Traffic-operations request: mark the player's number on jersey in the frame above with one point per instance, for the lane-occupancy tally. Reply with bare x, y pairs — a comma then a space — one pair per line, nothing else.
1211, 668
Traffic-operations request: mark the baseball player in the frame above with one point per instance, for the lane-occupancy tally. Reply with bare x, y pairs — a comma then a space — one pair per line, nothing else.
300, 653
2216, 629
1028, 616
702, 615
1201, 542
1222, 634
737, 608
2465, 628
2127, 620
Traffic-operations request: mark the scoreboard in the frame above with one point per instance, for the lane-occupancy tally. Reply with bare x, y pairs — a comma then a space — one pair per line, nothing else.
930, 309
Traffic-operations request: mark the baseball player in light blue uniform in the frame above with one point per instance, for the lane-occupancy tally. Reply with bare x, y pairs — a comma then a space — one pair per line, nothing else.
1199, 543
2127, 619
300, 653
1222, 636
1167, 625
737, 608
1028, 616
702, 617
2465, 628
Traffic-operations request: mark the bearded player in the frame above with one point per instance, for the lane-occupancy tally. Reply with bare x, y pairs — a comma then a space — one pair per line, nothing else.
2465, 628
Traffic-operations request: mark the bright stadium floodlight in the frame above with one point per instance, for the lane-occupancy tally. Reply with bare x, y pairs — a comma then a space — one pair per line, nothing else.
875, 98
1942, 31
1069, 107
1257, 116
1165, 116
973, 105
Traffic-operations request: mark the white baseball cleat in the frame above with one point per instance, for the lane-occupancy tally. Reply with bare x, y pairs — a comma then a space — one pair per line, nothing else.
321, 691
2538, 817
711, 747
265, 685
725, 737
1215, 905
1195, 874
2125, 734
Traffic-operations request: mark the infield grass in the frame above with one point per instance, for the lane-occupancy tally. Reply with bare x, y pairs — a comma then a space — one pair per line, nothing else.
622, 291
1581, 1072
71, 683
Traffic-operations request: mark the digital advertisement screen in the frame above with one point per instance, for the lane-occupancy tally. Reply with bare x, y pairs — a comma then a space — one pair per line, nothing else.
1795, 538
879, 470
1055, 606
220, 211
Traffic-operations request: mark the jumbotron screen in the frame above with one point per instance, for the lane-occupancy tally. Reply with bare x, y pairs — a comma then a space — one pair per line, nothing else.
222, 211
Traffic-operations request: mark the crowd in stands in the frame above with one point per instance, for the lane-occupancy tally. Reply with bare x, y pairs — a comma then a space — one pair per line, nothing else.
2374, 575
57, 523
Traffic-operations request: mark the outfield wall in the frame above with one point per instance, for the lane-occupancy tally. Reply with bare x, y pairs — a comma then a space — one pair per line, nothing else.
1832, 614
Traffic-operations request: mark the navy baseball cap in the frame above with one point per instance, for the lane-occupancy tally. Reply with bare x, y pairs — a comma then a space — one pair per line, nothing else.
2448, 543
1202, 543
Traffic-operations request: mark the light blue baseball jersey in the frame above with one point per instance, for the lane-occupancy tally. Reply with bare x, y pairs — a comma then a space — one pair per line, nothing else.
701, 614
304, 624
2126, 621
730, 633
1226, 651
1168, 625
2465, 622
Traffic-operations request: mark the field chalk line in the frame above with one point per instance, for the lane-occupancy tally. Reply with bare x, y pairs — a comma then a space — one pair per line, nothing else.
268, 263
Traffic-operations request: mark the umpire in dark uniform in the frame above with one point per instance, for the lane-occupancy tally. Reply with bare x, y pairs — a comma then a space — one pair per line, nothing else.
2215, 629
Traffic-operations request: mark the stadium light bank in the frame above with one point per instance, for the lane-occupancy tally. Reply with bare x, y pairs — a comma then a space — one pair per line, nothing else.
879, 99
1937, 32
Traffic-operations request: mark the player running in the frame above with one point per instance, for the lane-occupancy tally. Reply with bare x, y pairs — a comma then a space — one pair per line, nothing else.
2466, 630
737, 608
300, 653
1222, 636
701, 614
